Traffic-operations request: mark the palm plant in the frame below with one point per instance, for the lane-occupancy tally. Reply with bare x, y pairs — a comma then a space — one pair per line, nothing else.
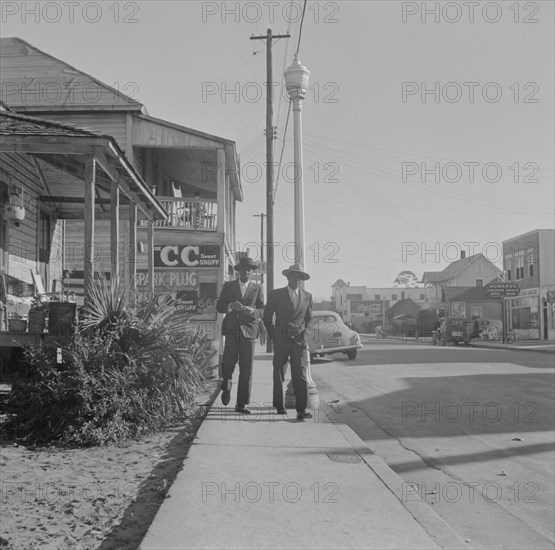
135, 365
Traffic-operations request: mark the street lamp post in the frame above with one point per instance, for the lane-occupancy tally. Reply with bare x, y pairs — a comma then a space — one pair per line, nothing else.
296, 82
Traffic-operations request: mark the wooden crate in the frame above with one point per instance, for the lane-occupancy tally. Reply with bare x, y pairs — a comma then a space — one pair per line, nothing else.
17, 325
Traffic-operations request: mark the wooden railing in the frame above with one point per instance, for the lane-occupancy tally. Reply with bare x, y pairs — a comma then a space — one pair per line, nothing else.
191, 214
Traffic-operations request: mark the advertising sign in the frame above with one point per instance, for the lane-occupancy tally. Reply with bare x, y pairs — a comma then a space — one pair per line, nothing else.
373, 307
459, 309
197, 256
183, 287
500, 289
187, 301
169, 279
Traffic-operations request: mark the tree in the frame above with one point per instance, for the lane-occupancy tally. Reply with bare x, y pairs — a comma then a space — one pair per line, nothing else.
407, 279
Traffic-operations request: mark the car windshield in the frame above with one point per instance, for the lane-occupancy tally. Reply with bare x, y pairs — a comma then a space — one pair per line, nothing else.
324, 319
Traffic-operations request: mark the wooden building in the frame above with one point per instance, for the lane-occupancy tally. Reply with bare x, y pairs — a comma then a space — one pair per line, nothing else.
194, 176
94, 182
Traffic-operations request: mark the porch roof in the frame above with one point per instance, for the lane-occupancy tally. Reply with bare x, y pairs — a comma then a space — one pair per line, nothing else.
451, 292
475, 294
181, 146
403, 308
68, 148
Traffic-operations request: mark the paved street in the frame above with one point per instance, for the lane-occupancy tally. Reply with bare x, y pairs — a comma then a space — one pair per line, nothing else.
469, 430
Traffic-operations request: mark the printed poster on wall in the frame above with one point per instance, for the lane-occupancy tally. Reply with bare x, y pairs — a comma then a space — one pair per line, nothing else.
184, 287
458, 309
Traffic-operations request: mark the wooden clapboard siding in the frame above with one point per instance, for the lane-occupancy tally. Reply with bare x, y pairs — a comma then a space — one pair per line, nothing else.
19, 171
74, 247
105, 123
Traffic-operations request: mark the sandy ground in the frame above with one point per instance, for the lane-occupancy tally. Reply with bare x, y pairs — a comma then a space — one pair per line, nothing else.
97, 498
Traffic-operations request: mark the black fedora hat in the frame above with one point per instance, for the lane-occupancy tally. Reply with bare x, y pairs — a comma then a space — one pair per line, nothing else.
295, 269
245, 261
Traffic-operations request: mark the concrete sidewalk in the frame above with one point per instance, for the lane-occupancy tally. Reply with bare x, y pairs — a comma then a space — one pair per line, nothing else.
268, 481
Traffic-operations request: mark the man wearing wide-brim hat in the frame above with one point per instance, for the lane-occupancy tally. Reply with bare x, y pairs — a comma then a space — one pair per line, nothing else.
292, 307
242, 301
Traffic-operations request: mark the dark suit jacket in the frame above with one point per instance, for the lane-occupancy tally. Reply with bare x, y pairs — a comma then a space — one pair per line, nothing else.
290, 323
234, 321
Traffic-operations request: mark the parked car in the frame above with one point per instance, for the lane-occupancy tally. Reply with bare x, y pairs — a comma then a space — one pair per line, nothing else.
328, 334
456, 330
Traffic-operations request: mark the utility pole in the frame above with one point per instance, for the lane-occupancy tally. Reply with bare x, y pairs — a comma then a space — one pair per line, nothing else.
269, 162
261, 216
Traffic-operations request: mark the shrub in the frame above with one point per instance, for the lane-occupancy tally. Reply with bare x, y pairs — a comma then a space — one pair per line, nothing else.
135, 366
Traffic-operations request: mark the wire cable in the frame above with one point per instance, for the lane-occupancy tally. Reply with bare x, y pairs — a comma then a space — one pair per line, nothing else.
301, 28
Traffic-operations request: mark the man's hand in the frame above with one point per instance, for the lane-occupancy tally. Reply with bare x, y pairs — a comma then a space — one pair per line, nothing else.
263, 333
236, 306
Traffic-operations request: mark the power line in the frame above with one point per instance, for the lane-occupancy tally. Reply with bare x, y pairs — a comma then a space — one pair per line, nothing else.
301, 28
228, 82
391, 175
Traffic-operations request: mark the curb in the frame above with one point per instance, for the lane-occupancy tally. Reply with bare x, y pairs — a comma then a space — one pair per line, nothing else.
435, 526
508, 347
511, 348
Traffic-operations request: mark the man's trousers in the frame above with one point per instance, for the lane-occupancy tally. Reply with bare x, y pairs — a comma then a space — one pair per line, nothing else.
238, 349
292, 352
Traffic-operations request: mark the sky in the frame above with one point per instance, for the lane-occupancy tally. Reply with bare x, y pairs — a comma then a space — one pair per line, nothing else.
428, 127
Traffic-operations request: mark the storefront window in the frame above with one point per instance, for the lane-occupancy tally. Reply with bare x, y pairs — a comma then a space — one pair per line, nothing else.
524, 314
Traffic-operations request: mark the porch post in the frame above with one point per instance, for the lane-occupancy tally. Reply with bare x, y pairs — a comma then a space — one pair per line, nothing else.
88, 253
221, 221
114, 232
150, 254
221, 190
132, 246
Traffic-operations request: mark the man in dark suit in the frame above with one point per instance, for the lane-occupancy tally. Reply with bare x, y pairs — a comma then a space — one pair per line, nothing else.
240, 300
292, 307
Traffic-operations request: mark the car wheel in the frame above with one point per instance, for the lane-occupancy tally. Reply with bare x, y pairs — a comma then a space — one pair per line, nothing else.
352, 353
312, 357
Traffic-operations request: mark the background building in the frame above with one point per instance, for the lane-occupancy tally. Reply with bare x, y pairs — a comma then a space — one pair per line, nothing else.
471, 271
529, 260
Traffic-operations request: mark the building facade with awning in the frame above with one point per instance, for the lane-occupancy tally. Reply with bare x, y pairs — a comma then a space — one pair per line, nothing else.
195, 177
94, 181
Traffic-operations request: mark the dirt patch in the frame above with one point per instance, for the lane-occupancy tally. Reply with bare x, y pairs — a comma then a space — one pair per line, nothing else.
102, 497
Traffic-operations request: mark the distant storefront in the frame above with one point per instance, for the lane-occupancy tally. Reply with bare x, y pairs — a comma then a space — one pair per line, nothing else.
531, 314
529, 261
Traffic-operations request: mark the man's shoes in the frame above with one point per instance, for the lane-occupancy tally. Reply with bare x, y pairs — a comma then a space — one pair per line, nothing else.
242, 409
281, 410
226, 396
302, 415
